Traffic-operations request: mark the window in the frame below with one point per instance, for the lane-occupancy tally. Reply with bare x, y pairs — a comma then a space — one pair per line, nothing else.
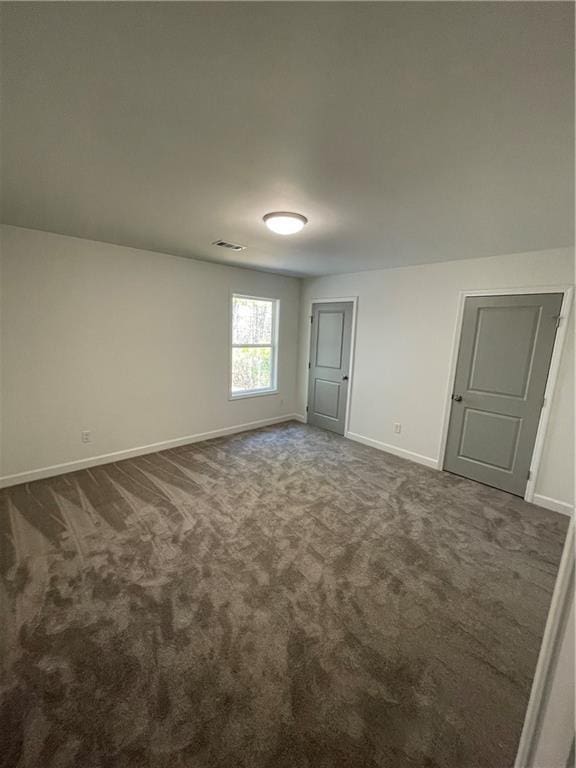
254, 345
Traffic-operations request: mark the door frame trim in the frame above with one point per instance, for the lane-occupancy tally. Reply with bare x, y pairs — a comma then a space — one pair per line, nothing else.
549, 657
336, 300
568, 294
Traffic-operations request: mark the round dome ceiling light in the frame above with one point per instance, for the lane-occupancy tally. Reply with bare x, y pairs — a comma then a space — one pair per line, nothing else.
284, 223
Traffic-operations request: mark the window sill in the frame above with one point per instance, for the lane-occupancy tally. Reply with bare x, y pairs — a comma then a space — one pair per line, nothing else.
256, 393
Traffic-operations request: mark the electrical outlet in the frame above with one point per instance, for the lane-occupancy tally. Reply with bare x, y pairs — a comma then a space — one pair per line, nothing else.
86, 436
397, 427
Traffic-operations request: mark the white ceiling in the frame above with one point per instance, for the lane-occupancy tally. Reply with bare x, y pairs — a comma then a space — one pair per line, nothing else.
406, 132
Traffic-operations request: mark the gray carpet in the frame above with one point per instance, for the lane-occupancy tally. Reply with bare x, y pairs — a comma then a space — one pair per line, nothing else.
283, 598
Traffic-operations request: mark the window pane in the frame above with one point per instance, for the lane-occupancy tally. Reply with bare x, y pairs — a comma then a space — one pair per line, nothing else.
251, 321
251, 368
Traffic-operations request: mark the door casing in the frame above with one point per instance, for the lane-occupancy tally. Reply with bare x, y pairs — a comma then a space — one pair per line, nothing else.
568, 293
550, 667
337, 300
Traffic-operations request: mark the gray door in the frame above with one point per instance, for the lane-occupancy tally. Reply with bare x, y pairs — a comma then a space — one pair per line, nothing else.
503, 363
328, 379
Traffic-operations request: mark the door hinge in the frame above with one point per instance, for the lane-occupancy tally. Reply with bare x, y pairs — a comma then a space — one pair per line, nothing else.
311, 318
306, 409
529, 475
308, 366
558, 320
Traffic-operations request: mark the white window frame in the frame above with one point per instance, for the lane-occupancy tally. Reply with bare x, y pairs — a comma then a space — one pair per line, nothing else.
273, 389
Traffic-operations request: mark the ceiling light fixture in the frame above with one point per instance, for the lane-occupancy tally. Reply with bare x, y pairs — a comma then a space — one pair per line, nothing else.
284, 223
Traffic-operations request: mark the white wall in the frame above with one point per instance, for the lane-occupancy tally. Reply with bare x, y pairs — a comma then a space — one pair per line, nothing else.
548, 733
405, 331
133, 345
129, 344
554, 739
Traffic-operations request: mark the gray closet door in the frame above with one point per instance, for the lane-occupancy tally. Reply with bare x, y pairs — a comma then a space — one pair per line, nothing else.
501, 374
331, 333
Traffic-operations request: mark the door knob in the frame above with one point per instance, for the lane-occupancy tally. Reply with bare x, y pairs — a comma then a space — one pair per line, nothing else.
457, 398
344, 378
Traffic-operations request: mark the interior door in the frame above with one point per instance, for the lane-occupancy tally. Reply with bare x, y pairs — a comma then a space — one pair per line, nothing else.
328, 379
503, 361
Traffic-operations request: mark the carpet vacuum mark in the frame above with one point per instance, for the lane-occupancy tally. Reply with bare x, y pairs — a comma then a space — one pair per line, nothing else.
282, 598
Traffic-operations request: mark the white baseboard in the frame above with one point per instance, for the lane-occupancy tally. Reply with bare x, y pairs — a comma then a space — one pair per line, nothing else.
107, 458
59, 469
541, 501
556, 506
427, 461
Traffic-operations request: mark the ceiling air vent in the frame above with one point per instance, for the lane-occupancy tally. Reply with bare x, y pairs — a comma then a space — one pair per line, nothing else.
230, 246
